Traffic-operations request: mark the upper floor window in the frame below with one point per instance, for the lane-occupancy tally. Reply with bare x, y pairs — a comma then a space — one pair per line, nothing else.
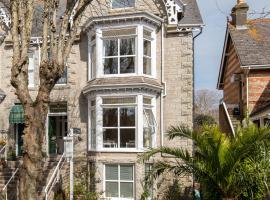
119, 51
31, 70
147, 55
122, 52
123, 3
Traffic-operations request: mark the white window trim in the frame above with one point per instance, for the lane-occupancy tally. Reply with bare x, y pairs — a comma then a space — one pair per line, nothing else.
138, 48
119, 181
139, 147
31, 70
119, 56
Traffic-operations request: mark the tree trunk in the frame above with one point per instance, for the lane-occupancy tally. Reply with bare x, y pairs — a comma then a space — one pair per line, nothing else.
31, 172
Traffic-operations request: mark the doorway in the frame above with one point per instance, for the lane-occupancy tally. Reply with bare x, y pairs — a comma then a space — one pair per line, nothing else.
57, 130
19, 128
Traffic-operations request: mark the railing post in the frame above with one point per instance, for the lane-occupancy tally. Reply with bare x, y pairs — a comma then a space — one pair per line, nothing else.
6, 153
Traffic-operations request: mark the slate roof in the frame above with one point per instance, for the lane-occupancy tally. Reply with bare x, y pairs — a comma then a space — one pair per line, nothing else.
252, 44
192, 15
122, 82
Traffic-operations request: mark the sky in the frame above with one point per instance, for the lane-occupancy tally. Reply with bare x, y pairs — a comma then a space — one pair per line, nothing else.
209, 45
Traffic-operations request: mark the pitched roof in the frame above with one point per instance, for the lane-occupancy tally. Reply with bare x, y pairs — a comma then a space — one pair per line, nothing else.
192, 15
252, 44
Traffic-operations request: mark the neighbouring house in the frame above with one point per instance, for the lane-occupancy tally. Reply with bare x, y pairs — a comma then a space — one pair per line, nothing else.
244, 74
128, 78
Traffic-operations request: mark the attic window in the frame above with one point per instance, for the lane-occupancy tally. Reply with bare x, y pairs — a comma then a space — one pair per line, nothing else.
123, 4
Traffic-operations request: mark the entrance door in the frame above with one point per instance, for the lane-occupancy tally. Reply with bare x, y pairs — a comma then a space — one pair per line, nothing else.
56, 133
19, 134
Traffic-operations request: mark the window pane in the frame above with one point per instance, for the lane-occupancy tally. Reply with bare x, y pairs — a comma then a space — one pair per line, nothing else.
147, 65
31, 67
110, 65
150, 117
93, 61
127, 65
110, 47
123, 3
127, 46
147, 48
147, 101
147, 34
118, 32
112, 189
127, 138
147, 139
110, 117
127, 117
126, 100
126, 172
126, 190
111, 172
110, 138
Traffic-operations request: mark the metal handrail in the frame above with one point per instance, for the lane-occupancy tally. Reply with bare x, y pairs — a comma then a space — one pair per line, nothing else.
54, 177
5, 187
2, 149
56, 174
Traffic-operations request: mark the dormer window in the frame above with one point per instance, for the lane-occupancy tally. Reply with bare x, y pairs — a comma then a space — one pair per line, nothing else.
123, 4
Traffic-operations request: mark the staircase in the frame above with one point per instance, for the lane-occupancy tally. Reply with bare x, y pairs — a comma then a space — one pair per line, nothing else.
7, 170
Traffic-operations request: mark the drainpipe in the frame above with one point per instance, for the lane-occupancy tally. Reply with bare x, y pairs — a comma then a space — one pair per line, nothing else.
163, 95
193, 60
247, 91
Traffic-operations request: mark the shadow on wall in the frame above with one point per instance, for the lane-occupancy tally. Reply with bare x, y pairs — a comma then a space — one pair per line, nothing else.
176, 191
263, 100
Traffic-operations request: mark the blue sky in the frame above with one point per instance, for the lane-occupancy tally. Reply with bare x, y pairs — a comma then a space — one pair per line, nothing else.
209, 45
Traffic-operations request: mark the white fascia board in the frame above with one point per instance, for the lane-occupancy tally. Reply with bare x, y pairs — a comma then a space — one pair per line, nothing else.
223, 57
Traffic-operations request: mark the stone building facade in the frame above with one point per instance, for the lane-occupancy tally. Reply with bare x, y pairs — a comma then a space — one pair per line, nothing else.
129, 77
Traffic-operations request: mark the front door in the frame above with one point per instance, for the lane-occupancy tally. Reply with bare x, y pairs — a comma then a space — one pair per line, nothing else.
56, 133
20, 129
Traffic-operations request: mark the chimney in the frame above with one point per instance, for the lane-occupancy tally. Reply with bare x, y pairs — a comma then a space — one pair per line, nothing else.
239, 14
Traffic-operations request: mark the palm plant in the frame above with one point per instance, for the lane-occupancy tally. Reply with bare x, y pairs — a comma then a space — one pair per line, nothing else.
228, 167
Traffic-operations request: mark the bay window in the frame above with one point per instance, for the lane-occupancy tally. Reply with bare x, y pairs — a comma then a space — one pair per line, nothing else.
122, 52
125, 123
119, 181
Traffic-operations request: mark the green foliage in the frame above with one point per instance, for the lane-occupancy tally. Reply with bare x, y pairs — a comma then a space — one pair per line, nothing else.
202, 119
82, 185
226, 166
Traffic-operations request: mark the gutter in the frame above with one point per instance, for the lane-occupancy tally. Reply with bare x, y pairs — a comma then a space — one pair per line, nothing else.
256, 66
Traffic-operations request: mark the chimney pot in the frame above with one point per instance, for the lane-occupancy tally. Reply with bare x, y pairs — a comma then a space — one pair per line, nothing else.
239, 14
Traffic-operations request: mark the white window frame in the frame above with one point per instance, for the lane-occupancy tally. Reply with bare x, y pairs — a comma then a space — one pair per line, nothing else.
119, 106
119, 180
139, 39
139, 122
31, 70
92, 69
123, 7
120, 56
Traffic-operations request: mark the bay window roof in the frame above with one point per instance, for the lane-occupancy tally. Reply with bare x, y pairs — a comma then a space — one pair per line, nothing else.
122, 82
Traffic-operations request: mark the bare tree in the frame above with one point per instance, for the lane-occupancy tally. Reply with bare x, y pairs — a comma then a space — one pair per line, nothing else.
58, 36
207, 102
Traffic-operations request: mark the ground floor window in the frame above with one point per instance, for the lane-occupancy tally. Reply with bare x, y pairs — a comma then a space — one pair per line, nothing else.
119, 123
119, 181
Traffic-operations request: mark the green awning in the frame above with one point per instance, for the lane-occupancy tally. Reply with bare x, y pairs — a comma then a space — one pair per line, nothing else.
16, 115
